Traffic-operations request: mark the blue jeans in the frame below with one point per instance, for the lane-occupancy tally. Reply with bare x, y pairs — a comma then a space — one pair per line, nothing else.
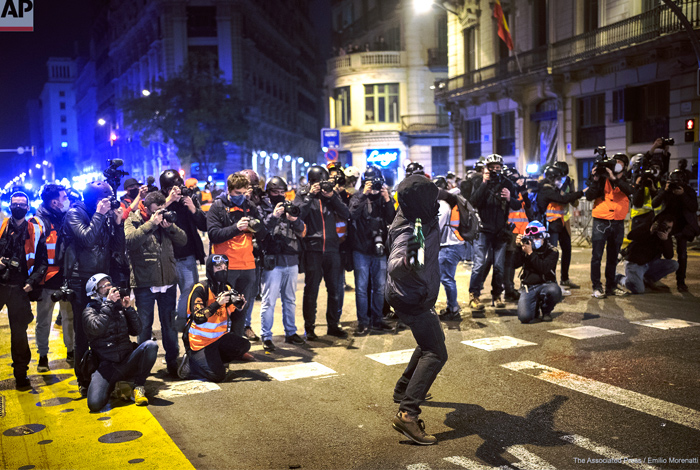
426, 362
280, 281
610, 233
137, 366
545, 296
449, 258
654, 271
187, 277
370, 276
145, 301
487, 243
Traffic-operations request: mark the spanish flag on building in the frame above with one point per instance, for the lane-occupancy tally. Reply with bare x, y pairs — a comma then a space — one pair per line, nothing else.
503, 31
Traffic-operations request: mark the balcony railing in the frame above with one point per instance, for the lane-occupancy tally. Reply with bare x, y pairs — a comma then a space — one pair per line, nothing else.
425, 123
653, 24
365, 60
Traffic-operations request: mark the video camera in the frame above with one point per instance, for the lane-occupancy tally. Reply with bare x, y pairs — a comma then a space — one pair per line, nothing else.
290, 209
603, 162
237, 299
114, 176
64, 294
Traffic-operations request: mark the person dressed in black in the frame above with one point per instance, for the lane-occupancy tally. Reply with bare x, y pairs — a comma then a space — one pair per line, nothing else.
682, 201
23, 264
412, 292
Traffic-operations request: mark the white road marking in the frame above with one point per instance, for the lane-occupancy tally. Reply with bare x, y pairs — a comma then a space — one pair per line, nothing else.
189, 387
665, 323
607, 452
498, 342
418, 466
473, 464
528, 460
393, 357
619, 396
585, 332
299, 371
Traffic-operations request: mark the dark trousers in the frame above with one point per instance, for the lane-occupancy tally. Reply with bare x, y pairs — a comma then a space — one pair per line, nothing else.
243, 281
137, 366
81, 342
564, 239
514, 260
610, 233
682, 252
426, 362
19, 312
319, 266
209, 362
543, 296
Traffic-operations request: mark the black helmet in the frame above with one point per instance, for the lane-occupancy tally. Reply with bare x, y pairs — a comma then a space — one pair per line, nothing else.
372, 173
95, 192
170, 178
252, 177
276, 183
479, 164
552, 172
440, 182
317, 173
414, 168
511, 173
678, 176
563, 166
623, 157
73, 195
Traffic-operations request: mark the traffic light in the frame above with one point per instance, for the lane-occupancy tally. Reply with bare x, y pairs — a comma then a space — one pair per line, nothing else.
691, 130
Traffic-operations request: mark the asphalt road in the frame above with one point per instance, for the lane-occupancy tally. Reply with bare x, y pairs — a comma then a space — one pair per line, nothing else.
629, 396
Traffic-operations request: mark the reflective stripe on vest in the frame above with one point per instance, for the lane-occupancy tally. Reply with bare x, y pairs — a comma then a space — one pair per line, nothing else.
30, 243
454, 223
519, 217
614, 205
51, 239
647, 207
555, 211
202, 335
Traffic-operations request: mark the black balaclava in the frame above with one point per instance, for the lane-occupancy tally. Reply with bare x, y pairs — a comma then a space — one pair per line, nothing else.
274, 200
217, 286
418, 198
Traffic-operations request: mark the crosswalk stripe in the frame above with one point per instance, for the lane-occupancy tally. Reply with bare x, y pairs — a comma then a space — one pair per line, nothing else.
619, 396
498, 342
528, 460
585, 332
298, 371
470, 464
392, 357
607, 452
190, 387
418, 466
665, 323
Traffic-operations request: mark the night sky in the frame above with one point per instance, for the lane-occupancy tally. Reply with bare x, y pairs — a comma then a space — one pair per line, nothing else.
58, 24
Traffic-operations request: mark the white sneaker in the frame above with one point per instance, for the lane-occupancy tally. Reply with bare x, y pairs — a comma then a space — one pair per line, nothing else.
564, 291
598, 294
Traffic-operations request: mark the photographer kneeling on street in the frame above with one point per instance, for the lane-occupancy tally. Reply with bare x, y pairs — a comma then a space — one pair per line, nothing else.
210, 342
109, 321
150, 236
644, 263
611, 192
539, 292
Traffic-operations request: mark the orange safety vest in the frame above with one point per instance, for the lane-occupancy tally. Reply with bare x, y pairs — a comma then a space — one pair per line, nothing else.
239, 249
614, 205
555, 211
51, 240
206, 201
30, 243
518, 217
216, 326
454, 223
290, 195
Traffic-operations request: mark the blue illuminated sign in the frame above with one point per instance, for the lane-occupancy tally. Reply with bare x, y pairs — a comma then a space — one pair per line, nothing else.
383, 158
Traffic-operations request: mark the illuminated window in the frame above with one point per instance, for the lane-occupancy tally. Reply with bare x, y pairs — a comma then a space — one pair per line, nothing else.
342, 106
382, 103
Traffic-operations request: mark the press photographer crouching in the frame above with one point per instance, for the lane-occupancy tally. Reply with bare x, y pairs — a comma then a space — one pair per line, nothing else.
539, 292
209, 341
109, 321
645, 267
647, 173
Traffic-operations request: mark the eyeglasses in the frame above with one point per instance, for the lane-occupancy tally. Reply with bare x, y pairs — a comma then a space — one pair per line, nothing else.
106, 285
219, 259
532, 230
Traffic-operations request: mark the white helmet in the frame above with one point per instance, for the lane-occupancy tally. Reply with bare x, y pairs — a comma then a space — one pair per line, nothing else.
493, 158
351, 172
91, 285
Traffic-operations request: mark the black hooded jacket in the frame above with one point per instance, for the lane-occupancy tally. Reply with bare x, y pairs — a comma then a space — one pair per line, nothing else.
190, 223
320, 215
539, 267
493, 209
409, 291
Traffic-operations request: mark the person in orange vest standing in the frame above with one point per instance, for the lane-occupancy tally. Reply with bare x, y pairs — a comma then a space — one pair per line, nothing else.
611, 192
209, 341
49, 216
22, 267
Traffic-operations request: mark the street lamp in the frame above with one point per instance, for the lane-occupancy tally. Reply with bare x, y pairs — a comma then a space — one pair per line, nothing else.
422, 6
101, 121
145, 92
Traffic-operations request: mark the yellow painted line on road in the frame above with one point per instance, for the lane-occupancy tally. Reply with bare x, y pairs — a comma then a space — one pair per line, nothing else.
50, 427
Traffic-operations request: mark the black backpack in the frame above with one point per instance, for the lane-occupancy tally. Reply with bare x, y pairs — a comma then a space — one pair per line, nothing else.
469, 221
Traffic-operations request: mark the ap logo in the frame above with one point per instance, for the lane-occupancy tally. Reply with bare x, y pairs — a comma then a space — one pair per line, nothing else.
17, 15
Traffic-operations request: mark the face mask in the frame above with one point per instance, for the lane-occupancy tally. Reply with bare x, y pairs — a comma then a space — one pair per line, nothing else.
276, 200
237, 200
537, 243
618, 168
221, 276
374, 197
66, 205
133, 193
18, 213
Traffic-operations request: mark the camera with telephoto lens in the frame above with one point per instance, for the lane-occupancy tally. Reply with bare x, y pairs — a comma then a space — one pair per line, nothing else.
667, 141
327, 186
290, 209
186, 192
603, 162
114, 176
377, 184
237, 299
169, 216
10, 264
379, 248
495, 177
64, 294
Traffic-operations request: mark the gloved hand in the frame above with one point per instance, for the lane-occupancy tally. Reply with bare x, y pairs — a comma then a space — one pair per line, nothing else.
411, 252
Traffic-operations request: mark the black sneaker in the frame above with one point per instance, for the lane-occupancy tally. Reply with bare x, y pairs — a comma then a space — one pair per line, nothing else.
172, 370
569, 284
448, 315
250, 335
22, 383
382, 327
294, 339
70, 358
546, 317
337, 332
512, 296
361, 330
310, 335
43, 365
268, 345
681, 286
